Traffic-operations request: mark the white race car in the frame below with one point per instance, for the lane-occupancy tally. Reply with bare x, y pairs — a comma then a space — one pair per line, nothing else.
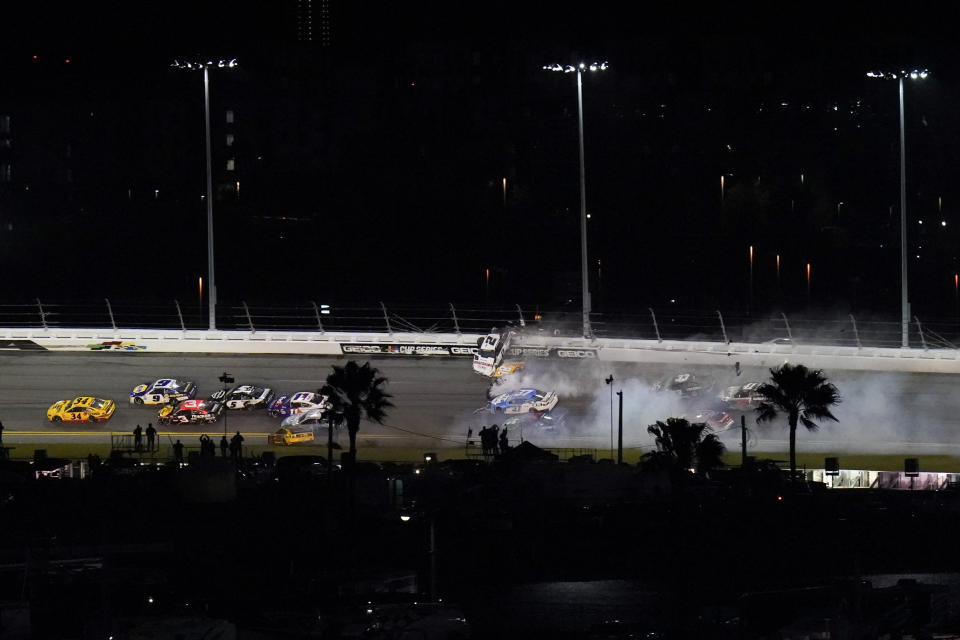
314, 419
163, 391
299, 402
490, 352
524, 401
245, 396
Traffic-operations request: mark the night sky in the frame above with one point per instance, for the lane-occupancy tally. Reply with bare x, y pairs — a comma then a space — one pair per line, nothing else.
372, 168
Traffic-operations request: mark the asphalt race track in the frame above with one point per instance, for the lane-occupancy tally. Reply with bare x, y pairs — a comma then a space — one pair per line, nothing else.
436, 400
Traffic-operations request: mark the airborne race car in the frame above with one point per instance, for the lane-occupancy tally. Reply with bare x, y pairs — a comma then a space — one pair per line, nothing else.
490, 352
245, 396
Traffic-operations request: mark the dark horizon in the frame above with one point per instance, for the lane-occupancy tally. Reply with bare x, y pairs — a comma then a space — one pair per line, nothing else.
371, 168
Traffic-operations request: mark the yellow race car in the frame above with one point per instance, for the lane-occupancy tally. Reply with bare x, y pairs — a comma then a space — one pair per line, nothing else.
291, 435
81, 409
507, 368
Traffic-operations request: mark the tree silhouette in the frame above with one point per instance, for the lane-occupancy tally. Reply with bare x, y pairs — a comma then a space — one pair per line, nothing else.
682, 445
801, 393
355, 391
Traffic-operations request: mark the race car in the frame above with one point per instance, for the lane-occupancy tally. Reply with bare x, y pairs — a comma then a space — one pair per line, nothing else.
687, 385
81, 409
291, 435
163, 391
524, 401
716, 420
536, 422
502, 373
490, 352
298, 402
506, 369
744, 397
245, 396
314, 419
190, 412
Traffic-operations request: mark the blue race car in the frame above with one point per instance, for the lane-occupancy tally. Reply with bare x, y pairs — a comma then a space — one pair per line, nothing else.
299, 402
163, 391
524, 401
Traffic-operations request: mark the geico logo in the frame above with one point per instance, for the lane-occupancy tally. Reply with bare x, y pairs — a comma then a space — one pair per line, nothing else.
575, 354
360, 348
463, 350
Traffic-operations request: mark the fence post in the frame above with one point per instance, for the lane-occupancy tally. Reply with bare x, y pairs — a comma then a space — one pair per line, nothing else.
183, 327
386, 318
43, 316
246, 310
316, 312
110, 311
722, 327
456, 325
856, 334
655, 327
923, 341
786, 323
522, 321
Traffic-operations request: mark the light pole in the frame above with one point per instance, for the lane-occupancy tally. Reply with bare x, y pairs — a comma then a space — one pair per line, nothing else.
220, 64
579, 69
904, 300
609, 381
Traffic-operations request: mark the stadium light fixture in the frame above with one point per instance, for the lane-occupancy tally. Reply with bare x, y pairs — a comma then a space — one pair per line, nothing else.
205, 66
915, 74
579, 69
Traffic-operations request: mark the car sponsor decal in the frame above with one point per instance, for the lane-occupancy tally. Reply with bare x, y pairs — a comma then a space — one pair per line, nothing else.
116, 345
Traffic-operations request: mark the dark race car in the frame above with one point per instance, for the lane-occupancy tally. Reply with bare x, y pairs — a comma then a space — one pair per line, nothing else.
191, 412
688, 385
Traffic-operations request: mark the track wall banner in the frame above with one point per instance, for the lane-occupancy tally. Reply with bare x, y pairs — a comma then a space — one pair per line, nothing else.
582, 353
417, 350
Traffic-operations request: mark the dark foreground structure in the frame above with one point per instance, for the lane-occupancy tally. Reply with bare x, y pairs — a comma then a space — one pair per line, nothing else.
518, 546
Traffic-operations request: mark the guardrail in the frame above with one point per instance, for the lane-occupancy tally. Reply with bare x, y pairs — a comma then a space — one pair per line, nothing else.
663, 324
529, 345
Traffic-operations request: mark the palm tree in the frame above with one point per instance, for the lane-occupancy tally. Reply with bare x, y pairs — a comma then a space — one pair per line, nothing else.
682, 445
355, 391
334, 416
803, 394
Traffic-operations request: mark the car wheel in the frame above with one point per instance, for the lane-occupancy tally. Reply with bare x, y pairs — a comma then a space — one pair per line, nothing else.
56, 419
138, 400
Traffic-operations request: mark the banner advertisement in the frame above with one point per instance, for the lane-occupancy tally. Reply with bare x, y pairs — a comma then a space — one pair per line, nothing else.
420, 350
